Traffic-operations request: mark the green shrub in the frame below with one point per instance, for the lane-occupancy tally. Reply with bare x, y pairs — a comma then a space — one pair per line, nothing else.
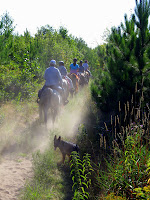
127, 168
81, 175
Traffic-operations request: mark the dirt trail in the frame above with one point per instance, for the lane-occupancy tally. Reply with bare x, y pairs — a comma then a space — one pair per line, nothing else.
15, 165
13, 175
16, 162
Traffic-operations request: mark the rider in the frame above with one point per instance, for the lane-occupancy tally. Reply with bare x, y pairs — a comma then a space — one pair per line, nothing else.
74, 67
86, 67
52, 78
81, 68
63, 72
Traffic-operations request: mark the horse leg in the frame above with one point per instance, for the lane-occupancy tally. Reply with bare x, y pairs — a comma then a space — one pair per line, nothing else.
40, 112
54, 114
74, 85
71, 92
77, 88
45, 114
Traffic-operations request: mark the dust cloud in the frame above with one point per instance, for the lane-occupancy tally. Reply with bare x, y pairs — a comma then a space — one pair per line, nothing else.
21, 134
73, 114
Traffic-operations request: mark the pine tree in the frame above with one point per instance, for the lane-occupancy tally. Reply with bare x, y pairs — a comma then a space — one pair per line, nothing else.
128, 51
6, 38
142, 13
121, 62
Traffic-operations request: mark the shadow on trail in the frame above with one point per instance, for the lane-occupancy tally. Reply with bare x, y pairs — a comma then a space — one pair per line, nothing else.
67, 182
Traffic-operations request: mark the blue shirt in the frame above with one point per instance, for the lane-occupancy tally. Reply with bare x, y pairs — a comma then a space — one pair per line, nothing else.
63, 70
73, 69
52, 76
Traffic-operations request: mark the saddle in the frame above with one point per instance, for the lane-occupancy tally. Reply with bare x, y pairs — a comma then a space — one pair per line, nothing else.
59, 90
77, 77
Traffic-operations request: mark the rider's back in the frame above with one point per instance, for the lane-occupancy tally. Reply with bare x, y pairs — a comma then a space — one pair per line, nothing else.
63, 70
52, 76
85, 65
81, 69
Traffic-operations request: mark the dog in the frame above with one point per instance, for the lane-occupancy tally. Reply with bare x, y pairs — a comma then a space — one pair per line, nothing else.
66, 148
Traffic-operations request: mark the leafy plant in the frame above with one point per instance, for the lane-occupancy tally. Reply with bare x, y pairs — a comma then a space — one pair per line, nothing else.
81, 175
144, 192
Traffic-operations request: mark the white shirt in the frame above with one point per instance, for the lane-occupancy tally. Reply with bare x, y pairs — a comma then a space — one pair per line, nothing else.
85, 65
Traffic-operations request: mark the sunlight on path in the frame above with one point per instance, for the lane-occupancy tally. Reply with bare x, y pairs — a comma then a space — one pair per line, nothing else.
13, 175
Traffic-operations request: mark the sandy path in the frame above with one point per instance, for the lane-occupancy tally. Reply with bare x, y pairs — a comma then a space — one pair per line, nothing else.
13, 175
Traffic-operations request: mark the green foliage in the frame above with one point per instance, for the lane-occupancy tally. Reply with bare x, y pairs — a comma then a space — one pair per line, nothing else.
112, 196
127, 168
144, 192
24, 58
43, 167
102, 91
6, 25
81, 175
125, 58
37, 192
48, 181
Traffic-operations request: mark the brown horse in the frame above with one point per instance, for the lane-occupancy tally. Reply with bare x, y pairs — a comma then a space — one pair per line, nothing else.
75, 80
50, 99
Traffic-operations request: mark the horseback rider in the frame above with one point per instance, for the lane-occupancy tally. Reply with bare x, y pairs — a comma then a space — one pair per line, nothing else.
74, 67
81, 67
86, 67
63, 72
82, 75
52, 78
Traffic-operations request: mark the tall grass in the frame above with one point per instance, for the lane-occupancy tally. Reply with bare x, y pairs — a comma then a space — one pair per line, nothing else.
126, 166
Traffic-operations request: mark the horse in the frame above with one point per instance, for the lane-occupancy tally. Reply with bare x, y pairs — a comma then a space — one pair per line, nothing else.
75, 81
50, 99
67, 87
87, 76
66, 90
83, 79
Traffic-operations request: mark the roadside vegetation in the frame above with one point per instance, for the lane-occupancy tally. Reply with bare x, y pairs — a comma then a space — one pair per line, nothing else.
113, 130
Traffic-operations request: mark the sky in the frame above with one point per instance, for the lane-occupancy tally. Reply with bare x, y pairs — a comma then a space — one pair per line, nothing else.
86, 19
